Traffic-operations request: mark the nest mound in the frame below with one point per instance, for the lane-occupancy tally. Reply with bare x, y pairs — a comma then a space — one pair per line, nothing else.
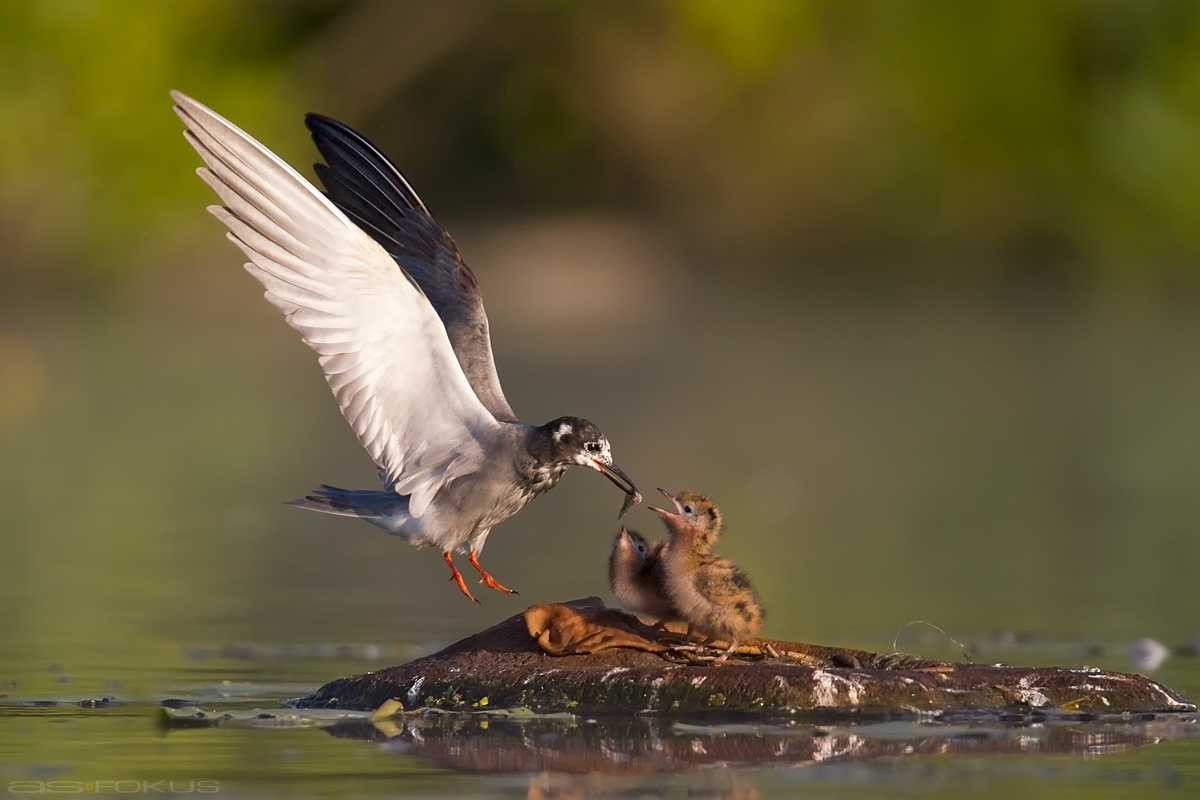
583, 658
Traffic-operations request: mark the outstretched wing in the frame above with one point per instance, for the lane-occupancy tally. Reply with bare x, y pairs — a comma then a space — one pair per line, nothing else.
368, 188
381, 344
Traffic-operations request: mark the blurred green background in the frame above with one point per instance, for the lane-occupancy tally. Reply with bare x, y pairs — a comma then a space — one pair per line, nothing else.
909, 287
1004, 141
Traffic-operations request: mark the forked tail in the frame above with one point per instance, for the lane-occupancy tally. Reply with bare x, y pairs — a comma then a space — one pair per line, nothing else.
388, 510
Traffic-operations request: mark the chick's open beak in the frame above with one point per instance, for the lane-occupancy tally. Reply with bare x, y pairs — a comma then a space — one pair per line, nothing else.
674, 502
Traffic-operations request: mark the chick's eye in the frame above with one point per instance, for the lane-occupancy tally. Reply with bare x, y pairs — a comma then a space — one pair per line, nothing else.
687, 509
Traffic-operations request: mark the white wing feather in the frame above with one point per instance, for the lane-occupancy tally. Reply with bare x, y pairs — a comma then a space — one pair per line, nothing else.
385, 353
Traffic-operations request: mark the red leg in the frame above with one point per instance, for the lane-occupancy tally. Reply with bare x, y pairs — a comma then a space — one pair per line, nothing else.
457, 577
488, 579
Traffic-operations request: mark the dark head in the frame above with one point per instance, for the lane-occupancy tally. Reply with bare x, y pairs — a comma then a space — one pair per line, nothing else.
696, 517
571, 440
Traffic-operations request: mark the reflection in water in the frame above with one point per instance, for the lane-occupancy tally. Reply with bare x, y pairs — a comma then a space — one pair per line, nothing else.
240, 736
722, 786
633, 746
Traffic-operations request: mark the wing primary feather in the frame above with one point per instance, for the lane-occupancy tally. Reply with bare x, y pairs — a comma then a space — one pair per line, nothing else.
386, 354
372, 192
334, 131
408, 234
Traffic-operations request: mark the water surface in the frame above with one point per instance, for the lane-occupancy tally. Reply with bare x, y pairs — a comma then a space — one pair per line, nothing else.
1021, 472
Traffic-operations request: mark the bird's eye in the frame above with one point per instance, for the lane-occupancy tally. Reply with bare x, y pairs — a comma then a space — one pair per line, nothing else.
687, 509
591, 447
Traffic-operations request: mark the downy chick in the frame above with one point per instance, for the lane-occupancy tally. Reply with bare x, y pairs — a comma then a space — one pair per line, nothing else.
710, 593
633, 573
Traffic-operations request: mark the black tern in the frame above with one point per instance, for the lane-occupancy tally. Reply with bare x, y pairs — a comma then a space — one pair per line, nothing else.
377, 287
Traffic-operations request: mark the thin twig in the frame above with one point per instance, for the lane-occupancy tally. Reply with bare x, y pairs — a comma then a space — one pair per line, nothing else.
895, 641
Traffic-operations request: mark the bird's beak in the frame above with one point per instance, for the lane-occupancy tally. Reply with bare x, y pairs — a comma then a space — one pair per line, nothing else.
674, 502
614, 474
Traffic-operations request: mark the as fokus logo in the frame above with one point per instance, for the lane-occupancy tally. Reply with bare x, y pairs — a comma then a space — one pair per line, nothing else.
112, 787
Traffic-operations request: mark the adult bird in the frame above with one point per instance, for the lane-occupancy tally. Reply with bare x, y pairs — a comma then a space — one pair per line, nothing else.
379, 290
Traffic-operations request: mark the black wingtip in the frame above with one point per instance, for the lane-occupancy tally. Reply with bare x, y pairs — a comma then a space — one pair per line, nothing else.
313, 121
326, 129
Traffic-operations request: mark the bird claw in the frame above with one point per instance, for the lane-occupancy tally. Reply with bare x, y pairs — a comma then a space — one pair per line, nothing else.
457, 577
492, 583
462, 587
488, 580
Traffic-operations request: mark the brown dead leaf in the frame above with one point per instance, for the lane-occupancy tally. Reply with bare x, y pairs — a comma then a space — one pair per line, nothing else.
563, 630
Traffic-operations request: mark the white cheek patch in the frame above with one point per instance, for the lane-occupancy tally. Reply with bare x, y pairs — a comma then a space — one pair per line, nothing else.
563, 429
605, 452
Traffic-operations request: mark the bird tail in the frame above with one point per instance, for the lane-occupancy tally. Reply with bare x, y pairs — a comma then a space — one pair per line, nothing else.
388, 510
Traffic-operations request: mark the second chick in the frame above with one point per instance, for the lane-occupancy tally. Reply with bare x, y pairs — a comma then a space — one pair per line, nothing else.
636, 578
708, 592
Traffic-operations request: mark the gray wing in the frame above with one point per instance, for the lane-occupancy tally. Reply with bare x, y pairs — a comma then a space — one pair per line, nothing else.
368, 188
382, 346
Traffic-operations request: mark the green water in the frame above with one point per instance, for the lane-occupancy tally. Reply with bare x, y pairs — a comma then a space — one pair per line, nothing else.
1022, 474
260, 751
